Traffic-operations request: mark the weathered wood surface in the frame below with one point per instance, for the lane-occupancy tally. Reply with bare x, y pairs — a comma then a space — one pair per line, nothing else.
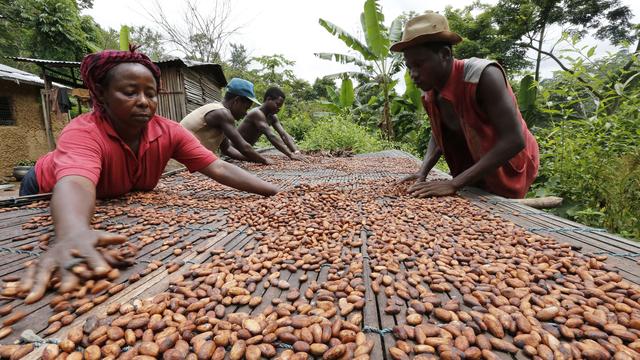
209, 230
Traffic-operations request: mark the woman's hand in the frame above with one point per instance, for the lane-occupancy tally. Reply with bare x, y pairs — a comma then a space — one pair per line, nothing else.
63, 255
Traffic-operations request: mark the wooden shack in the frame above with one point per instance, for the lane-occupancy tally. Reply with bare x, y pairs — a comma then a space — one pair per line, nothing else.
25, 133
186, 85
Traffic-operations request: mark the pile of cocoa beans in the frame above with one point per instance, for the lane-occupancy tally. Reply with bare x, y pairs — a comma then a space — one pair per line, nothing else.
446, 278
350, 165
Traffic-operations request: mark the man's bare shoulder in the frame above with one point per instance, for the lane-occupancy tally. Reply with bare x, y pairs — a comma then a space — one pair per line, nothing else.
219, 116
255, 115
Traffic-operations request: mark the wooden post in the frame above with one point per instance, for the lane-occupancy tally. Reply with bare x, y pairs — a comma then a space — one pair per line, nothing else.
46, 110
75, 84
79, 105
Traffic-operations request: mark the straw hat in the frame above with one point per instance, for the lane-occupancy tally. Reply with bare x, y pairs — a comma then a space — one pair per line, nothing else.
428, 27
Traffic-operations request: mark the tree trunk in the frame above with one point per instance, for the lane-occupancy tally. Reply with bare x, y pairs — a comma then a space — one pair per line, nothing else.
539, 58
386, 120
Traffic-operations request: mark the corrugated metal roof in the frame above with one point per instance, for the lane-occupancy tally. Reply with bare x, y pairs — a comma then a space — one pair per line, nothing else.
185, 62
216, 69
18, 76
53, 63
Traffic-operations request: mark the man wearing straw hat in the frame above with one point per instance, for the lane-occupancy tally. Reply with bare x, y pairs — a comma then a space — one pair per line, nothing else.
475, 120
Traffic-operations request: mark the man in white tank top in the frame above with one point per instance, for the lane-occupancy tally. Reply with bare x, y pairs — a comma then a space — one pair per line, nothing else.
215, 124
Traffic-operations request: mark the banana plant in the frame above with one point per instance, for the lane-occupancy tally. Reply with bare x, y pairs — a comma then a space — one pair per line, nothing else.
124, 38
375, 61
527, 95
407, 112
343, 100
412, 92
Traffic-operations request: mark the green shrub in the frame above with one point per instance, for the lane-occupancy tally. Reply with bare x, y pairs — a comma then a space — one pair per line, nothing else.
340, 133
298, 125
590, 151
592, 166
621, 194
26, 163
337, 133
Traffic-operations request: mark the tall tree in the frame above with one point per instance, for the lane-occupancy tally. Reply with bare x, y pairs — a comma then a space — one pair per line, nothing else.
301, 90
107, 39
483, 39
239, 60
275, 68
530, 20
50, 29
203, 31
150, 42
13, 29
84, 4
322, 86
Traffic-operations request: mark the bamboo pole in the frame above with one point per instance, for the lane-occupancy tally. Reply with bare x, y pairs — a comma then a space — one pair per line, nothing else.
44, 95
546, 202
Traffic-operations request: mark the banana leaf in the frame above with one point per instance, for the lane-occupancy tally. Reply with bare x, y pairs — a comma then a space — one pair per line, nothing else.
327, 105
374, 30
332, 94
347, 95
527, 93
343, 59
395, 31
340, 75
411, 91
349, 40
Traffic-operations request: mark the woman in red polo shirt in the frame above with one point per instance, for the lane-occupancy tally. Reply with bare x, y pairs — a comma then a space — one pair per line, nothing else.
122, 145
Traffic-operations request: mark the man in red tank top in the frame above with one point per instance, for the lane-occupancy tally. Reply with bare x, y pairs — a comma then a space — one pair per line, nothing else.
474, 115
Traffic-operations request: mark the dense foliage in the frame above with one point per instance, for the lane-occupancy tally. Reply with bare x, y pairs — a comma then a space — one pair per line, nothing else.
590, 144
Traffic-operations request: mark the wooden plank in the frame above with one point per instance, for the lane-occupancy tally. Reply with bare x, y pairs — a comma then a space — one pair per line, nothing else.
553, 221
371, 312
550, 219
385, 321
39, 310
272, 292
10, 213
17, 231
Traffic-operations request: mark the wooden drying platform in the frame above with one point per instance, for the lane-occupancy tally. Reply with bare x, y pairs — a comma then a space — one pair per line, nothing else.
205, 229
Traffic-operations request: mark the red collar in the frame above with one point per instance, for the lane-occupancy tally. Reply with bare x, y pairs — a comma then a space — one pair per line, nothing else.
453, 83
151, 132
